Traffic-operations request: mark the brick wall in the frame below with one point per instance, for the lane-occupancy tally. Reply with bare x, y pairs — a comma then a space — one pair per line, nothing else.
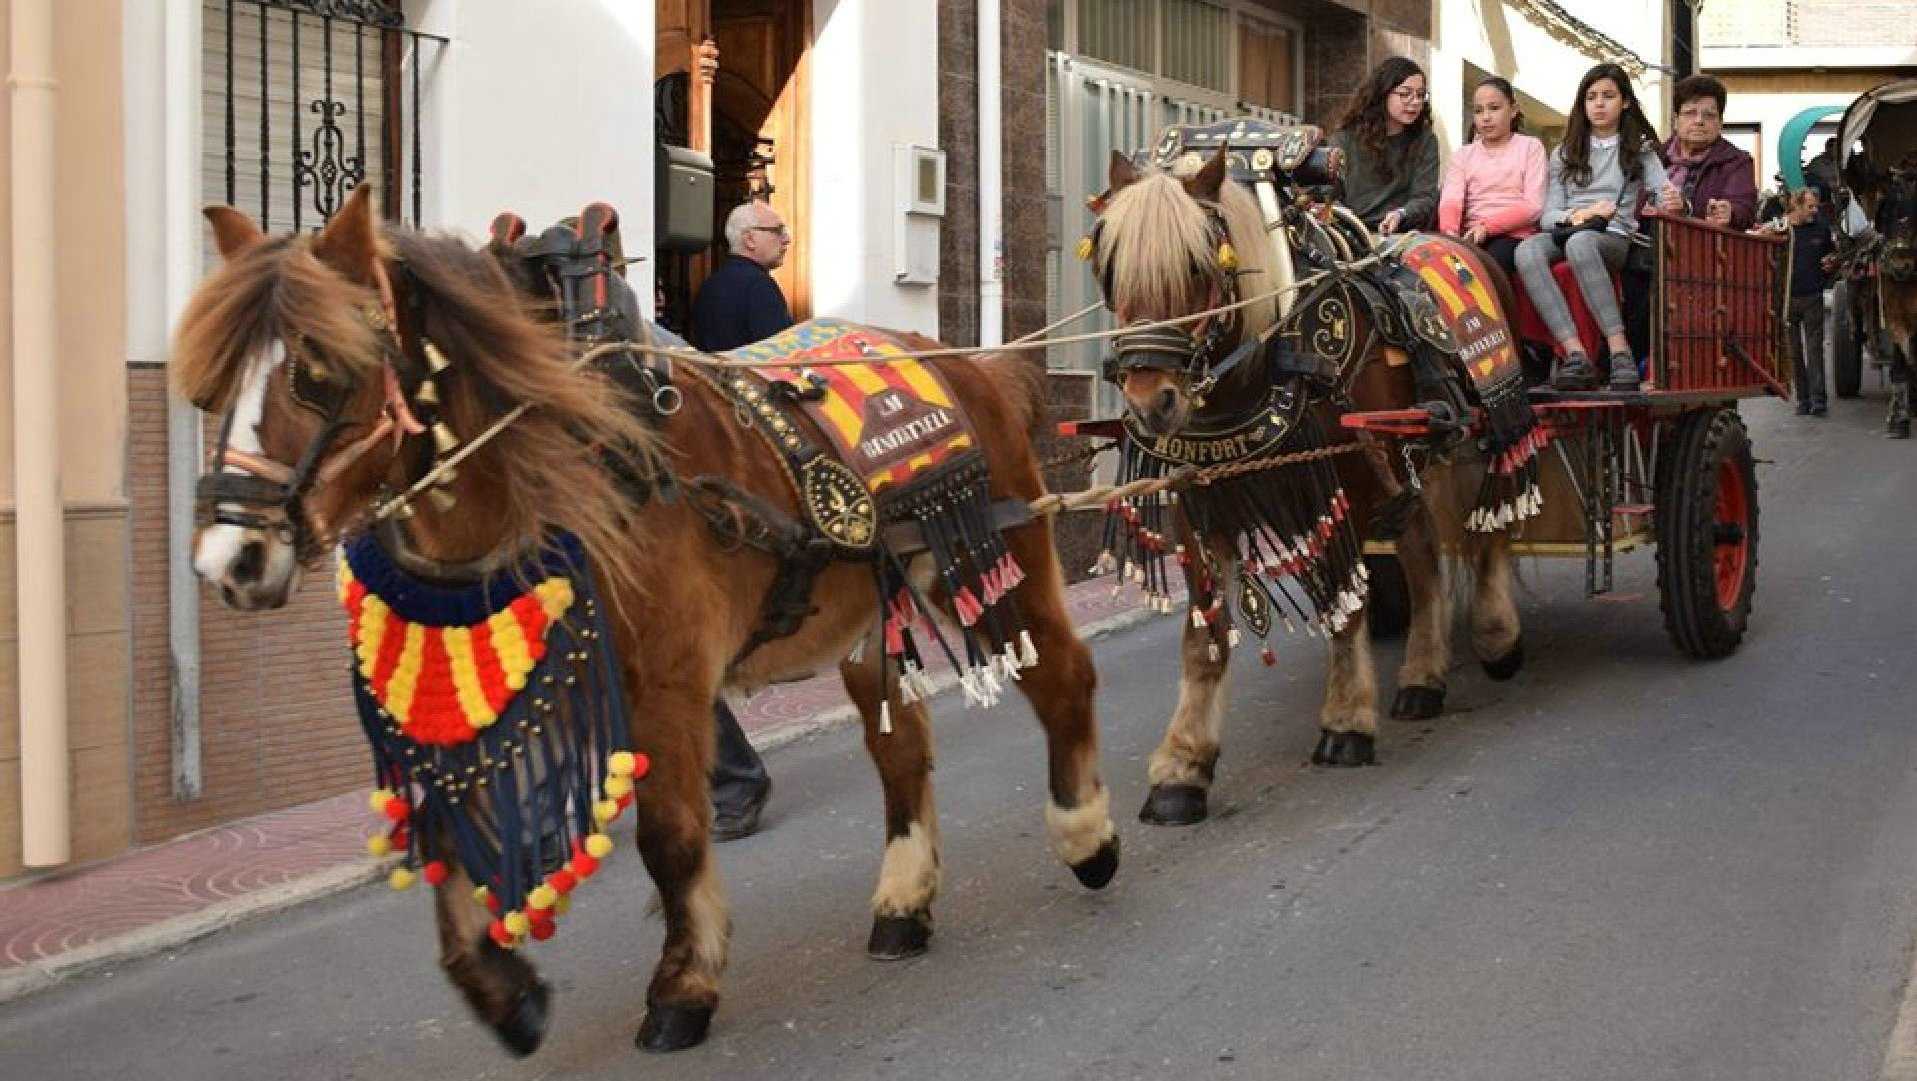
276, 711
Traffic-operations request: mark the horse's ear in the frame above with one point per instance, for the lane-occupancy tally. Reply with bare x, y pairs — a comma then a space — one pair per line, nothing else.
350, 242
1207, 182
233, 231
1121, 173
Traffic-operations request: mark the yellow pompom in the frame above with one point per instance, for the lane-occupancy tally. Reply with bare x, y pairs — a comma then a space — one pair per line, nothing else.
379, 844
542, 897
1084, 249
605, 811
562, 906
515, 681
402, 878
621, 764
618, 786
517, 923
1227, 256
599, 846
480, 893
377, 801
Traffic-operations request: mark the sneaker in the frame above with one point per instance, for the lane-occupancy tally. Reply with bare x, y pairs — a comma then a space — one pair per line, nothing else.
1574, 373
1623, 372
1897, 429
732, 823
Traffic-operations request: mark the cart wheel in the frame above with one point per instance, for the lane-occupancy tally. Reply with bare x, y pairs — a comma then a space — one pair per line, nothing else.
1846, 345
1707, 534
1388, 609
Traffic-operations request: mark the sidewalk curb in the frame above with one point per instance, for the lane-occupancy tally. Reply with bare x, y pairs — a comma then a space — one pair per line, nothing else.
33, 976
25, 979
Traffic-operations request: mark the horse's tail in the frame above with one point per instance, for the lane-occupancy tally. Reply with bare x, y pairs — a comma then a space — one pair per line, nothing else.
1020, 377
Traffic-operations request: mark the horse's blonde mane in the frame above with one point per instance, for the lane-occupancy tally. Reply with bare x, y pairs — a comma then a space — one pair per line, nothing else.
1162, 232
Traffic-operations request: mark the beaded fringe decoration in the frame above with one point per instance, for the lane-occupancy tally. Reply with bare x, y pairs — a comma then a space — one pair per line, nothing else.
498, 726
1298, 551
1512, 440
952, 508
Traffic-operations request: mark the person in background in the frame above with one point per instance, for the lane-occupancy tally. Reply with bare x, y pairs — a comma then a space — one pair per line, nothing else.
1824, 175
1608, 160
1714, 179
1812, 255
1493, 190
1391, 153
740, 303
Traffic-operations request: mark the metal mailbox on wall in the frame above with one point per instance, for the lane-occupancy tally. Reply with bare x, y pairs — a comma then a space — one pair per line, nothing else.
683, 194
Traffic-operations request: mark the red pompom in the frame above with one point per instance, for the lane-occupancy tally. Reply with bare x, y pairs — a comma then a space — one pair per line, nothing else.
500, 936
563, 881
640, 764
492, 903
542, 930
435, 873
401, 839
397, 810
584, 865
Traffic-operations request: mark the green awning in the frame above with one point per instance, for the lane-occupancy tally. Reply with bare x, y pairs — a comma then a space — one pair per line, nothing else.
1790, 142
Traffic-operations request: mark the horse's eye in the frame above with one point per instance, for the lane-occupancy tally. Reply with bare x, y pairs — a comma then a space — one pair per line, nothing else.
316, 388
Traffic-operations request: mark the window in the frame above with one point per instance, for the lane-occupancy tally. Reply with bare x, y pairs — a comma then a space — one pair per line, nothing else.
1268, 68
1196, 36
1118, 31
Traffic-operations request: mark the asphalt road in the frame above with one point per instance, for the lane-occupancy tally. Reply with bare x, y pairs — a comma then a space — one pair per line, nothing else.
1621, 865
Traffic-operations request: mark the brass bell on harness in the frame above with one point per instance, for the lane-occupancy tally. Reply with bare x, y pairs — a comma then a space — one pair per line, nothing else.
435, 359
428, 393
443, 438
443, 500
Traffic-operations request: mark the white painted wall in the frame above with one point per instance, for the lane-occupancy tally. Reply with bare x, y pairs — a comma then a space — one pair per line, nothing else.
540, 108
874, 67
1501, 39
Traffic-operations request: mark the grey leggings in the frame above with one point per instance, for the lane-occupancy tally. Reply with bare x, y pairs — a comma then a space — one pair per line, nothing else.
1593, 255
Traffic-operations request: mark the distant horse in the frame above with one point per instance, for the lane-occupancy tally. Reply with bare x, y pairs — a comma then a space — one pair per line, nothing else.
313, 347
1889, 198
1166, 247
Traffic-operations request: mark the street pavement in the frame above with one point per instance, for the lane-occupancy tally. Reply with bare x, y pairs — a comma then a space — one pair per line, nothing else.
1622, 864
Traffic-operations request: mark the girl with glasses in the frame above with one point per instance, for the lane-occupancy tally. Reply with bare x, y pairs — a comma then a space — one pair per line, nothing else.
1391, 154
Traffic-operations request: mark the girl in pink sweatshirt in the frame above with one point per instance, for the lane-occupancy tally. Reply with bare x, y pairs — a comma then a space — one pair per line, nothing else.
1494, 188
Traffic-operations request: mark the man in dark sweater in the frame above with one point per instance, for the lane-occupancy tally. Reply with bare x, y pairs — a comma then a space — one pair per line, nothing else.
740, 303
1811, 254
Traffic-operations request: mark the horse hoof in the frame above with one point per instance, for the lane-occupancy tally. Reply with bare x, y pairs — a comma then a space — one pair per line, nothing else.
1417, 703
1505, 667
673, 1028
895, 938
1096, 873
1172, 805
1345, 749
524, 1028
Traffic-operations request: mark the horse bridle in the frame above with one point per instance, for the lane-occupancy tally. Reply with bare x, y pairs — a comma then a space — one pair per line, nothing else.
1198, 354
1897, 224
268, 495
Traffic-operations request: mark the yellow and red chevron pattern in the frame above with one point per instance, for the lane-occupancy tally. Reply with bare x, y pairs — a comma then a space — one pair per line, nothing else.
1468, 306
444, 684
843, 411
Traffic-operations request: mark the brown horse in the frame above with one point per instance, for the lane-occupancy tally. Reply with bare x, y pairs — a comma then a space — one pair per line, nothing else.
287, 315
1158, 252
1889, 198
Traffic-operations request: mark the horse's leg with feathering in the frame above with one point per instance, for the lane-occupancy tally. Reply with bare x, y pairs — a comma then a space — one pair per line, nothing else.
673, 813
1427, 655
1060, 687
499, 984
899, 739
1180, 770
1496, 635
1348, 722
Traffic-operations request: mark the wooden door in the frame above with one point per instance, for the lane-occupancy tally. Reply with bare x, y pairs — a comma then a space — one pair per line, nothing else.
759, 111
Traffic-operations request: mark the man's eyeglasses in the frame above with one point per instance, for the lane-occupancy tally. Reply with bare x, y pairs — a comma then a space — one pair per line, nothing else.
776, 230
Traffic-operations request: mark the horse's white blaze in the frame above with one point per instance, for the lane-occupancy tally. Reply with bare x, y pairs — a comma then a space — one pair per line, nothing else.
909, 877
220, 545
1079, 832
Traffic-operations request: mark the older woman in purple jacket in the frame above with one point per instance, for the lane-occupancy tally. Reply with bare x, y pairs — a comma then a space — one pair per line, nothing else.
1714, 180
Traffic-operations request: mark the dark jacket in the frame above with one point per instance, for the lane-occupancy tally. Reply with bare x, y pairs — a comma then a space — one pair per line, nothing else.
738, 305
1810, 243
1413, 187
1725, 172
